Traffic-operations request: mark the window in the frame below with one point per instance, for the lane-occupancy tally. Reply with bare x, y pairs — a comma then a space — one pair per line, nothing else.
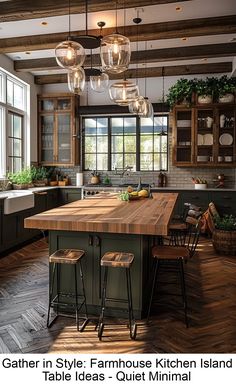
14, 152
111, 143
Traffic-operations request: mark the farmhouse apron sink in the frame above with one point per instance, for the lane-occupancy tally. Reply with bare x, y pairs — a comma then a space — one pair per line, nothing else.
18, 200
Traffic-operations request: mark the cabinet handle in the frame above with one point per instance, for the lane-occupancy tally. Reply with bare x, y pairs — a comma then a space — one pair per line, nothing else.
227, 197
90, 240
96, 241
41, 193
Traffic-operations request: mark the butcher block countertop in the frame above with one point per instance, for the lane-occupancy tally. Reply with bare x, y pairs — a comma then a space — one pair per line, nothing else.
109, 215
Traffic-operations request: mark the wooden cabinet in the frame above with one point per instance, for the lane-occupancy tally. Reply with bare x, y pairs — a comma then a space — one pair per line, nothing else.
58, 130
204, 135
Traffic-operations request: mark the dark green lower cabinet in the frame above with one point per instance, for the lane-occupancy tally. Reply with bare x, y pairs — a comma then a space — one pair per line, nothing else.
95, 245
69, 195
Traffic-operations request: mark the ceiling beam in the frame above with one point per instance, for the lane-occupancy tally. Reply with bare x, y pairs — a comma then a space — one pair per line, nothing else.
157, 55
27, 9
222, 67
152, 31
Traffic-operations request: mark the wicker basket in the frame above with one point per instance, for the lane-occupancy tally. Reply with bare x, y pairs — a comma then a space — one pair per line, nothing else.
224, 241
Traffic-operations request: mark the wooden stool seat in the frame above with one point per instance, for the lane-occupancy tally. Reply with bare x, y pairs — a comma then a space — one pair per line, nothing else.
178, 226
170, 253
117, 259
67, 256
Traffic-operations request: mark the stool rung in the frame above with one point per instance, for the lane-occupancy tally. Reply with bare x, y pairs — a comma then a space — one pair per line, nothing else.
116, 300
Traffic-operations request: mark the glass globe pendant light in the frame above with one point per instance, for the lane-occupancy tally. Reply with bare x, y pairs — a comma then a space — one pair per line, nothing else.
76, 80
146, 109
136, 106
69, 54
123, 92
115, 52
99, 83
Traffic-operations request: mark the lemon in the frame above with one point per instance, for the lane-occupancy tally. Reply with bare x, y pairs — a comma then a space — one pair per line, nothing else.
143, 193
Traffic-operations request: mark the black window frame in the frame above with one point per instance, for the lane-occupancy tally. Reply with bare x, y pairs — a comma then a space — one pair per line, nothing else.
138, 139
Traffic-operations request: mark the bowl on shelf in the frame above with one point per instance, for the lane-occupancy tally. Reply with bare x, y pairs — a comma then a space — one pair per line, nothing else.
200, 186
184, 123
202, 158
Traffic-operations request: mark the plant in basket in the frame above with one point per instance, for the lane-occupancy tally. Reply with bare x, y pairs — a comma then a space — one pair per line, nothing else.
224, 235
21, 179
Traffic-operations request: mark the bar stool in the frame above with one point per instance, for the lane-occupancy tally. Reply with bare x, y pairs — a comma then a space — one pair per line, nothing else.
70, 257
117, 260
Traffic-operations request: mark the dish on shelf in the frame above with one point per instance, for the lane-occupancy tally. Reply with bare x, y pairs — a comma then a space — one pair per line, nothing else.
200, 139
208, 139
184, 123
226, 139
202, 158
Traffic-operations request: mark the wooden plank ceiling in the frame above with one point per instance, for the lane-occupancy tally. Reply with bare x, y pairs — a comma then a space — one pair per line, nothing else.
176, 29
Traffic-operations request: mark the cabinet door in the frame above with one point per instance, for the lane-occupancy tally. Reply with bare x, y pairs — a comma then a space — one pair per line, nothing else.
199, 198
52, 199
205, 136
46, 141
226, 143
10, 230
183, 145
64, 138
68, 196
224, 201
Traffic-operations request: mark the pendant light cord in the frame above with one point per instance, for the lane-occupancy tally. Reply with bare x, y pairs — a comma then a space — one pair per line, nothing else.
69, 18
86, 16
145, 82
116, 18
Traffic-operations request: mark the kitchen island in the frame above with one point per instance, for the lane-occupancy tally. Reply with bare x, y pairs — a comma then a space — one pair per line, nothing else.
102, 224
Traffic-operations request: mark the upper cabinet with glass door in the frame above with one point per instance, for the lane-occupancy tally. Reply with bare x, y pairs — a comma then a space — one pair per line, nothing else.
211, 139
58, 142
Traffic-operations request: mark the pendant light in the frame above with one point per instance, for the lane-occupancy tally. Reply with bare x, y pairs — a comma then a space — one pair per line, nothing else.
135, 107
76, 80
99, 83
123, 92
146, 109
163, 132
69, 54
115, 52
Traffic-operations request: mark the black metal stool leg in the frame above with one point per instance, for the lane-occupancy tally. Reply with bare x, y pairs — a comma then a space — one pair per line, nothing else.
153, 288
103, 304
50, 297
184, 295
58, 266
86, 320
133, 325
76, 297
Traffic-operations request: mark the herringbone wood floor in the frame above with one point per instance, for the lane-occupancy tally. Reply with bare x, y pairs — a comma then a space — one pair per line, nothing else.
211, 282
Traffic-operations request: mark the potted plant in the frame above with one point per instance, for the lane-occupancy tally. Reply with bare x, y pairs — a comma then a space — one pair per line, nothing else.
180, 92
199, 183
21, 179
224, 235
205, 89
226, 89
95, 179
39, 176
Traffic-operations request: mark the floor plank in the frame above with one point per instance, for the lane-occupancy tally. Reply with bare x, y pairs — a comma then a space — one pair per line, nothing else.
211, 283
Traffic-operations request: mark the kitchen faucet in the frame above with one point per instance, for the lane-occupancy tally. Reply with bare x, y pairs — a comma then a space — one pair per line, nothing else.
128, 168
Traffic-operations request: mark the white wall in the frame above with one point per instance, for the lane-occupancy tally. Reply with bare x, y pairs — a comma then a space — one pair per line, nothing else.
7, 64
153, 88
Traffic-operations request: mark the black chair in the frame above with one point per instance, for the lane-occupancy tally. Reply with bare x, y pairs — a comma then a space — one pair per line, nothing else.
173, 257
70, 257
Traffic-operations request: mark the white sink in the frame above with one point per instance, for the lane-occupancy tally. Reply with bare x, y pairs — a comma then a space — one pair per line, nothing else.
18, 200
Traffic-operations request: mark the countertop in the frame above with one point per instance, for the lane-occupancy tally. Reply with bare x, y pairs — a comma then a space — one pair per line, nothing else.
109, 215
